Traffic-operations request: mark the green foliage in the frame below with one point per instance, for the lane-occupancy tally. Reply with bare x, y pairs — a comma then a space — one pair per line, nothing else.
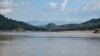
88, 25
91, 24
9, 24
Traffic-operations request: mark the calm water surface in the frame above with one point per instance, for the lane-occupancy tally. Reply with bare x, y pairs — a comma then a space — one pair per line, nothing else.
50, 46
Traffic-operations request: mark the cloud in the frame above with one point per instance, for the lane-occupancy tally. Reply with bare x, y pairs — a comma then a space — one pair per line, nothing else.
5, 6
21, 4
4, 11
91, 5
63, 5
53, 5
96, 5
57, 5
5, 3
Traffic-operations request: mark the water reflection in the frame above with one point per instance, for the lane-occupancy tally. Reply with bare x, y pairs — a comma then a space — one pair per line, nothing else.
49, 46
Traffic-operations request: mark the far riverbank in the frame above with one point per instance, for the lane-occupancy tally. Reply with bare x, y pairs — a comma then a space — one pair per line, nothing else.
63, 33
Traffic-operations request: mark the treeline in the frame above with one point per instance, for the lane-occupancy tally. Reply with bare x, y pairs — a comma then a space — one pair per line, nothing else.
9, 24
88, 25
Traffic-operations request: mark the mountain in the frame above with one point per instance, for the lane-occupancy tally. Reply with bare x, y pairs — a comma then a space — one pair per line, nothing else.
36, 22
51, 26
88, 25
91, 24
92, 21
9, 24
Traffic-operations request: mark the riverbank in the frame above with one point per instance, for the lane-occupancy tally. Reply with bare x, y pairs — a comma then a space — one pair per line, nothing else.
63, 33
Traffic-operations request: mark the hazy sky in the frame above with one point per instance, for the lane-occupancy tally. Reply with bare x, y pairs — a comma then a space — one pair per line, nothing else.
51, 10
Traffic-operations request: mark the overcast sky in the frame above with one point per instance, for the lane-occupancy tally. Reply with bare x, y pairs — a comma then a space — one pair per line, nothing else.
51, 10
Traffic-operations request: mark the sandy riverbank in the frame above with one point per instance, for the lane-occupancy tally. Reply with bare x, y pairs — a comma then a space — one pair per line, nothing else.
64, 33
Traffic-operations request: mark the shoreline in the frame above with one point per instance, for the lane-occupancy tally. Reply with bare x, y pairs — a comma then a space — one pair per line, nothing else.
50, 31
56, 34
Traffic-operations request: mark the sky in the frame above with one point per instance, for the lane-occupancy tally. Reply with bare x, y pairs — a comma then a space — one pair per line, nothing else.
51, 10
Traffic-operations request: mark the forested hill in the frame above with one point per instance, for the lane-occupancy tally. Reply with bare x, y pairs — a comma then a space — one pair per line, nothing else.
9, 24
88, 25
91, 24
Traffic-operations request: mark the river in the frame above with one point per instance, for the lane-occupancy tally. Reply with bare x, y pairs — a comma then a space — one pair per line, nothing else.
49, 46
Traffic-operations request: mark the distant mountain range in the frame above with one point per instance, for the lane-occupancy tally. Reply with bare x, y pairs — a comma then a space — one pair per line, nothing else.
9, 25
88, 25
35, 22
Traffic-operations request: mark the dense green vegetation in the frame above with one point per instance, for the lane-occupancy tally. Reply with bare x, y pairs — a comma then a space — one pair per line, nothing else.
9, 24
88, 25
91, 24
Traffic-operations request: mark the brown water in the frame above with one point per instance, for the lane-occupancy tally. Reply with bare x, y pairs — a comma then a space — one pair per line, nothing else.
50, 46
